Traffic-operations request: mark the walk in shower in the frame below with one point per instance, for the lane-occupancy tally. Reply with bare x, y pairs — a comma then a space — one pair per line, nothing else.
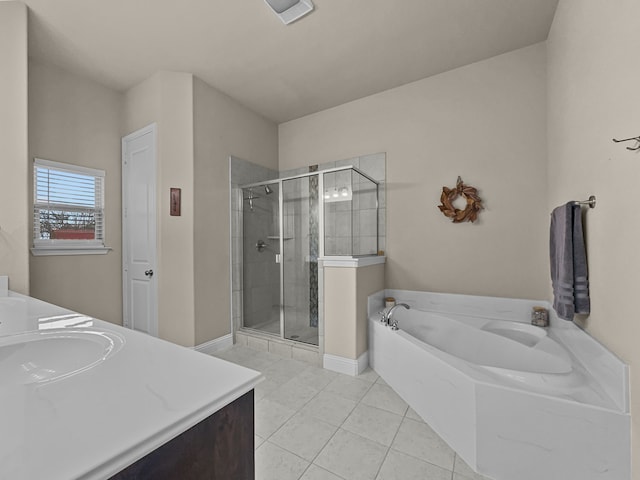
287, 225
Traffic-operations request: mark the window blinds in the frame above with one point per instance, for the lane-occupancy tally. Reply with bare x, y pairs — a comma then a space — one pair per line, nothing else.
68, 203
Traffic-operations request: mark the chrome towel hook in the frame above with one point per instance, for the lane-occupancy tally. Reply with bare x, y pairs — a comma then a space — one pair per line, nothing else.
637, 139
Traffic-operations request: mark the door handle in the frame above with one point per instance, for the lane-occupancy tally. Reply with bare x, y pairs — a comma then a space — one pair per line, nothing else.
260, 246
148, 273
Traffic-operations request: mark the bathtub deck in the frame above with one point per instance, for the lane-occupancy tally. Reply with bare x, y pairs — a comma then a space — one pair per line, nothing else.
504, 426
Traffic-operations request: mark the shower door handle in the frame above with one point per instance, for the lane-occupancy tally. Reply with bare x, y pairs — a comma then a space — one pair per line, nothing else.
278, 258
260, 246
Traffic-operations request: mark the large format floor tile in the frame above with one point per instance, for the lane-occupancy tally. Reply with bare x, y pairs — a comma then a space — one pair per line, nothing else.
292, 395
383, 397
304, 435
420, 441
398, 466
315, 377
352, 456
372, 423
330, 407
283, 370
349, 387
462, 471
270, 416
275, 463
314, 424
316, 473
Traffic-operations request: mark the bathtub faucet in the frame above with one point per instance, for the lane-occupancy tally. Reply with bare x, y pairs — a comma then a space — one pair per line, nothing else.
394, 324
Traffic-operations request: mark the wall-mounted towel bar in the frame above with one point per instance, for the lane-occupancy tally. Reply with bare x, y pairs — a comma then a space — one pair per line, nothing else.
636, 139
591, 202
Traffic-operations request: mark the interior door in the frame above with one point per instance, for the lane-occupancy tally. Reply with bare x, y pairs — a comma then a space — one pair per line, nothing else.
139, 230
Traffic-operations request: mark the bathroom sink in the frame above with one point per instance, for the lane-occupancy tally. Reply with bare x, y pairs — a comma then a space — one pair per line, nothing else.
47, 355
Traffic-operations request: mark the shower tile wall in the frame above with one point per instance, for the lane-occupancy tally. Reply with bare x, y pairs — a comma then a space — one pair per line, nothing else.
363, 221
364, 204
350, 226
338, 220
314, 247
297, 260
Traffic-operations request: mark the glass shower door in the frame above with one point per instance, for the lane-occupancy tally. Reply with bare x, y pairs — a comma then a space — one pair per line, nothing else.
261, 252
300, 246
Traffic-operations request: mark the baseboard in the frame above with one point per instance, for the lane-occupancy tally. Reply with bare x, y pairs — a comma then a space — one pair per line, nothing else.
215, 345
346, 366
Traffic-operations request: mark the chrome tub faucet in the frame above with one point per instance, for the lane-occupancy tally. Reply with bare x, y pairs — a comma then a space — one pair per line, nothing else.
394, 324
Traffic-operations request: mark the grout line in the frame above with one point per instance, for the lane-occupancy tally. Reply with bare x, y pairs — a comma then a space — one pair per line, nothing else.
298, 411
383, 461
391, 444
339, 427
453, 470
290, 452
425, 461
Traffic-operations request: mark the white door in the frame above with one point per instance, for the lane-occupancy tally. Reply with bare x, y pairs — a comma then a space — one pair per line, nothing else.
139, 231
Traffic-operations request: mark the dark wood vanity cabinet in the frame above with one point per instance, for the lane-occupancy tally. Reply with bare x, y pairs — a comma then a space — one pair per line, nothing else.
221, 447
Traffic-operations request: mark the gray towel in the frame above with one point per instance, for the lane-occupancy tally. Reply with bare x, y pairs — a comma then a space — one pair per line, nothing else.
568, 262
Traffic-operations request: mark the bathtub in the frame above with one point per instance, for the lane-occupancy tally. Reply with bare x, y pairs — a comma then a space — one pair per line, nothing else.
515, 401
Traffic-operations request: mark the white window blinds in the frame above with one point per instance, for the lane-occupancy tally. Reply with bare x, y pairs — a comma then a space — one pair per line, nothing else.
68, 205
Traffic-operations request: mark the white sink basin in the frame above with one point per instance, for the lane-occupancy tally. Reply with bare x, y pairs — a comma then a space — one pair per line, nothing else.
48, 355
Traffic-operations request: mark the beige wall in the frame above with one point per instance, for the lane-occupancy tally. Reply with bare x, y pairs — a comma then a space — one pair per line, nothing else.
340, 312
369, 281
485, 122
175, 240
142, 105
198, 129
14, 156
593, 97
166, 98
222, 127
74, 120
345, 308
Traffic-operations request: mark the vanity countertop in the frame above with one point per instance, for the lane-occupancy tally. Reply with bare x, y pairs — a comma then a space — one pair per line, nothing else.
96, 420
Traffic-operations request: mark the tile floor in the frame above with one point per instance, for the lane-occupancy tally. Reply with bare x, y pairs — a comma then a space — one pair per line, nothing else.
314, 424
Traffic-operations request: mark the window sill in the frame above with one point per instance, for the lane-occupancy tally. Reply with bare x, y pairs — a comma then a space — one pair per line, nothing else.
58, 250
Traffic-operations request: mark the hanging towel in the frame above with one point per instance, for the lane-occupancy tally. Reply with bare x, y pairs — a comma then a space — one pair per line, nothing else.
568, 262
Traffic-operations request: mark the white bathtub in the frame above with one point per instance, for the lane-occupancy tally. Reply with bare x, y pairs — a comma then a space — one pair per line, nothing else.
516, 402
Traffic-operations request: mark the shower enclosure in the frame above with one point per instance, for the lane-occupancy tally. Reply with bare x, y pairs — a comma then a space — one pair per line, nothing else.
288, 224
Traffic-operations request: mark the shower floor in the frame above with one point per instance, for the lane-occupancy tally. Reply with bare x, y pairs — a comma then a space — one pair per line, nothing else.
299, 333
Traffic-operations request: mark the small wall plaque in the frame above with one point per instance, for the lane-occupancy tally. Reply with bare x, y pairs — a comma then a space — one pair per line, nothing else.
174, 202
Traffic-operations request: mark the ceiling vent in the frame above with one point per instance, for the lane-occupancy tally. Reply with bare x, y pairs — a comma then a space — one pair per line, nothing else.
290, 10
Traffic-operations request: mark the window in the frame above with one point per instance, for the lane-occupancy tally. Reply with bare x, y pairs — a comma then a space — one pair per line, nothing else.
68, 209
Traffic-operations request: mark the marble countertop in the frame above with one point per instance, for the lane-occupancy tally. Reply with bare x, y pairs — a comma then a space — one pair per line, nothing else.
97, 421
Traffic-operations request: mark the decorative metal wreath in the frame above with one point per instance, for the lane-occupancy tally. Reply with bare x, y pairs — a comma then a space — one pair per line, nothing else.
474, 203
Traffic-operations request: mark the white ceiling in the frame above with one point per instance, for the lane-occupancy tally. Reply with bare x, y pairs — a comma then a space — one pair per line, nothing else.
344, 50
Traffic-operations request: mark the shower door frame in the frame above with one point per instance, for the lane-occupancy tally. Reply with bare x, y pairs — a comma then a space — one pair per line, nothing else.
279, 181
